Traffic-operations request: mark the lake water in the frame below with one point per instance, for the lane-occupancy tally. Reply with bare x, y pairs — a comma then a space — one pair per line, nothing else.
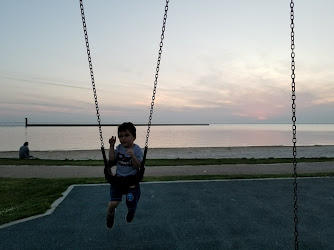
214, 135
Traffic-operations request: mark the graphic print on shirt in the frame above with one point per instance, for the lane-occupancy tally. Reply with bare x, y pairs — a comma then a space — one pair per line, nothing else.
124, 160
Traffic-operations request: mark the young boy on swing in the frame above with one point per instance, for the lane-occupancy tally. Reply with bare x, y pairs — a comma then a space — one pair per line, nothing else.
128, 157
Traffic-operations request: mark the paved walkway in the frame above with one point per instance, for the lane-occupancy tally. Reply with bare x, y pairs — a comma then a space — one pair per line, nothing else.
238, 169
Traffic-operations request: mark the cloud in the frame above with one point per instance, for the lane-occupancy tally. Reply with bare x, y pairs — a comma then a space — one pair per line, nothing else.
234, 88
251, 92
23, 78
233, 91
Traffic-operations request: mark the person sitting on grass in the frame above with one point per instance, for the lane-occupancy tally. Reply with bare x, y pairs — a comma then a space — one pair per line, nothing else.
24, 151
127, 157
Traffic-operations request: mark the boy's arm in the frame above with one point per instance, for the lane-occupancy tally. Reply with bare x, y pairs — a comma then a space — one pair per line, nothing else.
135, 162
112, 156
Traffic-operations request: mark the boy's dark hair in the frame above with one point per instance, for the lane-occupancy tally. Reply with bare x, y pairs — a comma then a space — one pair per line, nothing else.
127, 126
25, 144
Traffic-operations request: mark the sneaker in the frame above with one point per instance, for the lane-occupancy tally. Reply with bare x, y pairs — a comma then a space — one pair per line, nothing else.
110, 220
130, 215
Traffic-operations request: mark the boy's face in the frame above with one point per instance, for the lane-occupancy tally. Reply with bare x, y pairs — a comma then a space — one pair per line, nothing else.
126, 138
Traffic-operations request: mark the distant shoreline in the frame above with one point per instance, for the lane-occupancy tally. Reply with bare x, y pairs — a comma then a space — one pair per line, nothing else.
192, 153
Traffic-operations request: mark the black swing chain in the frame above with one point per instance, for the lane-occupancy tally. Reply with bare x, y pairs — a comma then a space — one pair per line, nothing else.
294, 128
93, 80
156, 74
91, 71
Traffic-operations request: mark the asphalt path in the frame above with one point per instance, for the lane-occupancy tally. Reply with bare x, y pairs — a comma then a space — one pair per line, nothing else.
230, 214
226, 169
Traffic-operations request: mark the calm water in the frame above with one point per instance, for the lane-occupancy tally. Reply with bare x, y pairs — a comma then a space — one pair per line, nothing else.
217, 135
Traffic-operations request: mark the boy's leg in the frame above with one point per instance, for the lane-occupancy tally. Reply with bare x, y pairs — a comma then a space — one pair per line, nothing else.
111, 213
115, 199
112, 206
132, 198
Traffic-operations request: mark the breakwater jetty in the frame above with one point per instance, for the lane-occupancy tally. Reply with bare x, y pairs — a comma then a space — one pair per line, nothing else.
107, 124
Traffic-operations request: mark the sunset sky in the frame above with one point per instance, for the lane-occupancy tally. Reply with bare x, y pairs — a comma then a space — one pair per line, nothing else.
222, 61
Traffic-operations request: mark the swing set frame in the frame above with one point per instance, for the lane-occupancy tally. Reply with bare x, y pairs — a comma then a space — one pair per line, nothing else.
107, 166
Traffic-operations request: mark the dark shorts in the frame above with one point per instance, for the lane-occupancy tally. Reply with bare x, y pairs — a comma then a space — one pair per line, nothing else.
132, 195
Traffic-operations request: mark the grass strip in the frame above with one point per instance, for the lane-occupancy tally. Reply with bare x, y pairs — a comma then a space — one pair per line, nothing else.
21, 198
160, 162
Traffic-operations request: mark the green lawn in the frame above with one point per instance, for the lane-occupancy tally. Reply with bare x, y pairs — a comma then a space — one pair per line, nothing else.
21, 198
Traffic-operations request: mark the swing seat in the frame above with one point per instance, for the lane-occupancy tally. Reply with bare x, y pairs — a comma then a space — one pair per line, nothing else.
125, 181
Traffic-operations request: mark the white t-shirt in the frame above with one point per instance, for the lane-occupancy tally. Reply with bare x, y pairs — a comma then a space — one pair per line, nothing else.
124, 161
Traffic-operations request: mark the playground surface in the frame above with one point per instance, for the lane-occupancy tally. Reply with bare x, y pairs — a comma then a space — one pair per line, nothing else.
227, 214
